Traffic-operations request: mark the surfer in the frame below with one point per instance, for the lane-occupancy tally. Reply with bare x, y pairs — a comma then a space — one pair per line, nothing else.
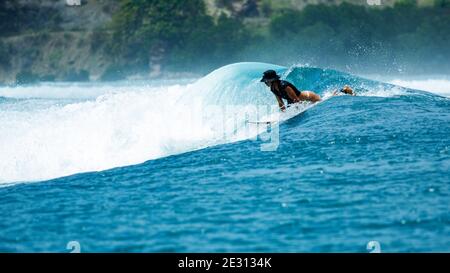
286, 90
346, 90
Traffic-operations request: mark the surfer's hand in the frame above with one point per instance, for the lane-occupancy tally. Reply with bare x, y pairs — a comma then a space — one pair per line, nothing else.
283, 108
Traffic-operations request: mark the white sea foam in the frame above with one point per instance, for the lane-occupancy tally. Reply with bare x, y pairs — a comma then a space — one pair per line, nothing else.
437, 86
99, 127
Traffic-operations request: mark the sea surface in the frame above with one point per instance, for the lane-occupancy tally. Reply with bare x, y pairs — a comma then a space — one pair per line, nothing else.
175, 165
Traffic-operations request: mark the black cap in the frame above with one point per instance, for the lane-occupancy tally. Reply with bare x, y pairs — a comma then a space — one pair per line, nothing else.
270, 75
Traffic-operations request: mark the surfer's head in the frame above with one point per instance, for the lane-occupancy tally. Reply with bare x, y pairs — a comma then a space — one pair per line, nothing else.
269, 76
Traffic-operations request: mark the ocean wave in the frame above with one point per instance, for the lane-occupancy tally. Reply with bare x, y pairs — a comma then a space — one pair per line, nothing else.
80, 128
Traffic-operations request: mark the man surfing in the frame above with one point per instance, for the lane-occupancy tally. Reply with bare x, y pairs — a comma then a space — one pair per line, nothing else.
286, 90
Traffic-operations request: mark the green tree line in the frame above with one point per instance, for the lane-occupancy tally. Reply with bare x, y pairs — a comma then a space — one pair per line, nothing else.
177, 34
180, 35
404, 35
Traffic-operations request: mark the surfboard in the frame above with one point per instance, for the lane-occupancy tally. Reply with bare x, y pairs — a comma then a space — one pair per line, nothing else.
262, 122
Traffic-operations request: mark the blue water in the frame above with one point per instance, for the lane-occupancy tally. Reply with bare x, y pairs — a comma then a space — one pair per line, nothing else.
375, 167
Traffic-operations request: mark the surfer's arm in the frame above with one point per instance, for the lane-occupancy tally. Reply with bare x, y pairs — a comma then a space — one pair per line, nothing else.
280, 103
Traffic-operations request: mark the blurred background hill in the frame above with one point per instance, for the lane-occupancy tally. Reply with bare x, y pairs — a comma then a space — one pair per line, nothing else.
52, 40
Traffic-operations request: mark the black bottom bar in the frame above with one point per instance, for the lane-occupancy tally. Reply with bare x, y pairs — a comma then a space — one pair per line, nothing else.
230, 262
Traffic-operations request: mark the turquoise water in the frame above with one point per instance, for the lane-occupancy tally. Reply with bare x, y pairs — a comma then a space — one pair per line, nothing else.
121, 168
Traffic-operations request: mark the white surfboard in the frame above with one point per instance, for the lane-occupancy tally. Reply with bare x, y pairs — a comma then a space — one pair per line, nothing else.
262, 122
